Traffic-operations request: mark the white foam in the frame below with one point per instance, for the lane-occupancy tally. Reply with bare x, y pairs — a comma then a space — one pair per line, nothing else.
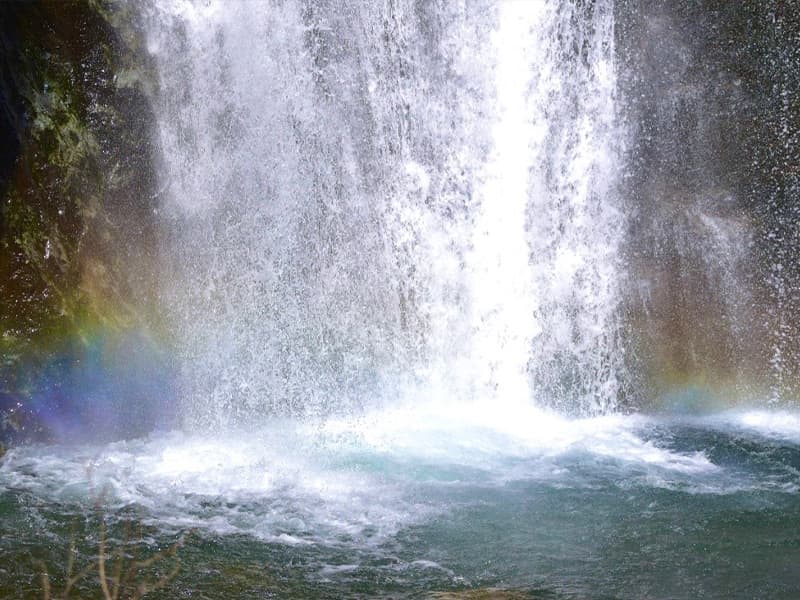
360, 480
252, 483
779, 424
774, 423
476, 432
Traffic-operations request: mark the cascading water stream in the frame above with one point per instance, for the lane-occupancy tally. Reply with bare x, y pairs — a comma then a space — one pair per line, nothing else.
546, 277
504, 301
275, 255
575, 221
322, 247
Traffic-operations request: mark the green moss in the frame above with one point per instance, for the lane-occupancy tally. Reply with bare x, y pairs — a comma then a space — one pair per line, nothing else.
76, 229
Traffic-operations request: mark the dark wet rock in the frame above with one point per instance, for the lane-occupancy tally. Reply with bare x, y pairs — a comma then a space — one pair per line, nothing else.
77, 183
711, 92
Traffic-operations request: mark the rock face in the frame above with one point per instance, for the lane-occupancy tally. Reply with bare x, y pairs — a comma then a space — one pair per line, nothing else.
77, 232
712, 95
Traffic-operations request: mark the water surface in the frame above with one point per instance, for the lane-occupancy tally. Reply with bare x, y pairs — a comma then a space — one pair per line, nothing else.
411, 502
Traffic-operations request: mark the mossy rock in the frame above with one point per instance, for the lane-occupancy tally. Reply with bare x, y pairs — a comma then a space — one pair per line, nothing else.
77, 228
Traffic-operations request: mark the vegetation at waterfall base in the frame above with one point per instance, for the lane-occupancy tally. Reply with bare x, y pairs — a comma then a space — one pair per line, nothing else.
110, 555
120, 572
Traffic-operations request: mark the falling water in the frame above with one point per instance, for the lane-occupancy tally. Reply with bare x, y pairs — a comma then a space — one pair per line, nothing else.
363, 200
557, 151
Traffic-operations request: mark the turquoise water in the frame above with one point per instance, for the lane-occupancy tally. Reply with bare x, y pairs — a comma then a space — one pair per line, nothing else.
411, 502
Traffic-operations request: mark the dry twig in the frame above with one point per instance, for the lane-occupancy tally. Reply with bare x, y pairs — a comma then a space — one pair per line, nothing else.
125, 582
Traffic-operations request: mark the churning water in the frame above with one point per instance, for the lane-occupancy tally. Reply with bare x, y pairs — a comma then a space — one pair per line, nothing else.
408, 502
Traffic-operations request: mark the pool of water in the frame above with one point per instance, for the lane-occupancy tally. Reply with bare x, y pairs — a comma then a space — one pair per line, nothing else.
446, 501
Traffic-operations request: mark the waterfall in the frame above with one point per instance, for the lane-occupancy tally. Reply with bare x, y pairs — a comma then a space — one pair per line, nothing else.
365, 199
547, 275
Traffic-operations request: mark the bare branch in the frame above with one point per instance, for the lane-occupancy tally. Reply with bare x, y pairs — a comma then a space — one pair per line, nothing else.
77, 577
45, 581
101, 564
144, 589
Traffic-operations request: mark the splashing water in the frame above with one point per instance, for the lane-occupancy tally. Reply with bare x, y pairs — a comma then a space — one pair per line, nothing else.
405, 501
361, 200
